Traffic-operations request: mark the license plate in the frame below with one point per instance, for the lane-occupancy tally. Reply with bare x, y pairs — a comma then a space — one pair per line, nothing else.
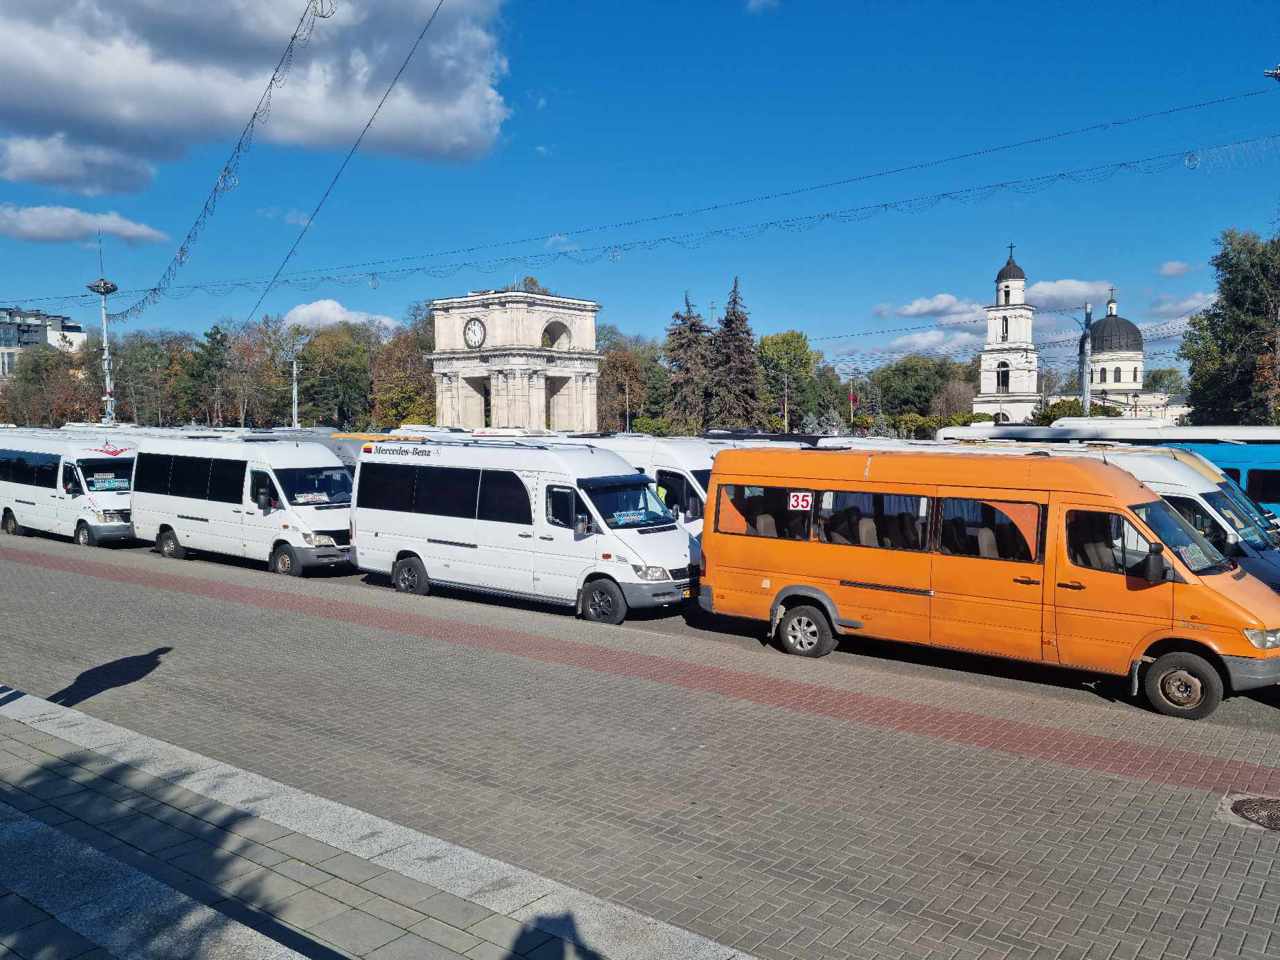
687, 593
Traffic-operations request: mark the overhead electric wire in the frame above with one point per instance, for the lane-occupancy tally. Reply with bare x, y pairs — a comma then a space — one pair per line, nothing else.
227, 179
347, 159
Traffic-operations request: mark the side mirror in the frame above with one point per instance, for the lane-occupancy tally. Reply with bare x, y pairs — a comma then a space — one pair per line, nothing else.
695, 509
1153, 566
264, 501
581, 525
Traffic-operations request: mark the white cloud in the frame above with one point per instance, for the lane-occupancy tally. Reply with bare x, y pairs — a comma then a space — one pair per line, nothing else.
560, 242
760, 6
1174, 268
1166, 307
1064, 294
68, 224
144, 81
947, 307
542, 151
936, 340
292, 215
541, 103
55, 162
325, 313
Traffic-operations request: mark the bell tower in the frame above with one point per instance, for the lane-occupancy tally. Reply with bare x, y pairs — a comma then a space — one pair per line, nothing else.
1009, 365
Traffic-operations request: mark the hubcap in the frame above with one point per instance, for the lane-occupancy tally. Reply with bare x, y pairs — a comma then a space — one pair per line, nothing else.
408, 579
282, 563
601, 604
167, 547
802, 633
1181, 688
82, 536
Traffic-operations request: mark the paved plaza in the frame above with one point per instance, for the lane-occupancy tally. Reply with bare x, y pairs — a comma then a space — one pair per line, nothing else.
881, 802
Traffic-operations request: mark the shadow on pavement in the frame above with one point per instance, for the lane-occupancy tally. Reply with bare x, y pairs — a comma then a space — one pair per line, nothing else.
532, 939
117, 673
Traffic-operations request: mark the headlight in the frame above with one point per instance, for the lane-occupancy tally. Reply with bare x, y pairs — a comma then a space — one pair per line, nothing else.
1263, 639
319, 540
650, 573
100, 516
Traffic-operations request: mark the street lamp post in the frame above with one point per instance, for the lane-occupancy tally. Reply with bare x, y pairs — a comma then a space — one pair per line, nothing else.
104, 288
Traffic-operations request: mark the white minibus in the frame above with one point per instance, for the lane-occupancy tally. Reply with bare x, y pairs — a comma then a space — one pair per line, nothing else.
70, 484
286, 502
570, 525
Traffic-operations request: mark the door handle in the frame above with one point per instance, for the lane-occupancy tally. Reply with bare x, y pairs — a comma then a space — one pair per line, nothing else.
234, 510
545, 537
1073, 585
525, 536
1028, 581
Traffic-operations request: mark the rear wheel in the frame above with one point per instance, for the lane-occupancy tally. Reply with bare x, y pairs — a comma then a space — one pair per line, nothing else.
169, 547
409, 575
1183, 685
603, 602
11, 525
84, 535
285, 562
804, 631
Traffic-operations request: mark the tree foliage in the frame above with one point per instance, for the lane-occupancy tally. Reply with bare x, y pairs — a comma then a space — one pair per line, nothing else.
910, 384
736, 394
688, 353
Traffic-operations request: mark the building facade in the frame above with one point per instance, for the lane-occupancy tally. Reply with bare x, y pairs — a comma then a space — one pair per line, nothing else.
1009, 367
22, 329
510, 358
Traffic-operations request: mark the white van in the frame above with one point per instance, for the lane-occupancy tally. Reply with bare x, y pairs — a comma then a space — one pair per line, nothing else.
70, 484
282, 501
572, 525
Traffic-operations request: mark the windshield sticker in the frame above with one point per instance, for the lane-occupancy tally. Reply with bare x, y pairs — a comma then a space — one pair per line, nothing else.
624, 517
1193, 556
302, 498
109, 483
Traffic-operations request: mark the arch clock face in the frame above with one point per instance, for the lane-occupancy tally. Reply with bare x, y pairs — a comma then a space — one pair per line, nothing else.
473, 333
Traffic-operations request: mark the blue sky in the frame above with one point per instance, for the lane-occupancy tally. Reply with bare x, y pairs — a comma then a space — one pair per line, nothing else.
528, 119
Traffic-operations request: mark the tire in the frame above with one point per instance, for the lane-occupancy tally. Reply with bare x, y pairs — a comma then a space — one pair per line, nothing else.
11, 525
1183, 685
603, 602
804, 631
285, 562
169, 547
410, 576
84, 536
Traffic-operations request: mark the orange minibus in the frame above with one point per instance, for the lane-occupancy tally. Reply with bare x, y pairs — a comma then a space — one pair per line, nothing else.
1052, 560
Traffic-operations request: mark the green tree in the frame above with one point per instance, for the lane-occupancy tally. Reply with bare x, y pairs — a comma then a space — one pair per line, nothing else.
403, 387
790, 368
910, 384
1231, 345
1165, 380
688, 352
737, 387
1070, 408
335, 379
204, 382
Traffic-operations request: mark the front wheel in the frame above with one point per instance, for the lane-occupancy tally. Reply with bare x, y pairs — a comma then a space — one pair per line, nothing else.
11, 525
285, 562
410, 576
84, 536
804, 631
1183, 685
603, 602
169, 546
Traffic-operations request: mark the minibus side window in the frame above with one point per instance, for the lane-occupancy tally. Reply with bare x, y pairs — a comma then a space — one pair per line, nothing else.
190, 477
6, 465
564, 506
447, 492
990, 529
70, 482
1106, 542
152, 473
1199, 517
890, 520
1232, 472
1264, 485
259, 480
386, 486
779, 513
504, 498
44, 469
226, 481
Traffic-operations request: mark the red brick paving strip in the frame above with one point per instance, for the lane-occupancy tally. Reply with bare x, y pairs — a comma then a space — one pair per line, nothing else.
1083, 751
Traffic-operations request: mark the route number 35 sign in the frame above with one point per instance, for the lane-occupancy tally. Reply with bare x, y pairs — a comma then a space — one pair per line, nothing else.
800, 500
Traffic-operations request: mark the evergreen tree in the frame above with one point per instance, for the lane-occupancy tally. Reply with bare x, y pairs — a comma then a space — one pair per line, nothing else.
688, 349
737, 386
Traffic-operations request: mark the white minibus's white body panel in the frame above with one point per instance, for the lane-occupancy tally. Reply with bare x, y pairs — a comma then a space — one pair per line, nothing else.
526, 545
75, 485
307, 497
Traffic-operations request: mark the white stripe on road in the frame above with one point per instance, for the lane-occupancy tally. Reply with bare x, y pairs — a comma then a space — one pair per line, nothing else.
616, 931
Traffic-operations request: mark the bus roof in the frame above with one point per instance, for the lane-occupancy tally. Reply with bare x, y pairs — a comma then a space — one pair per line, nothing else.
279, 452
570, 460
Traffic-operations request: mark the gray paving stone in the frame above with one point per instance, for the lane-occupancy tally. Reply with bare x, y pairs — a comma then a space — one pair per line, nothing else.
304, 873
453, 910
411, 947
261, 887
16, 913
303, 848
259, 830
93, 807
49, 787
490, 951
402, 889
146, 833
47, 940
50, 815
348, 893
214, 867
445, 935
357, 932
505, 932
392, 912
557, 949
307, 908
19, 800
353, 869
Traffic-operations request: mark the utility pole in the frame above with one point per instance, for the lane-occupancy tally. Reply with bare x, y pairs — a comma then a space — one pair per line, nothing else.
626, 393
104, 288
1086, 353
786, 402
294, 363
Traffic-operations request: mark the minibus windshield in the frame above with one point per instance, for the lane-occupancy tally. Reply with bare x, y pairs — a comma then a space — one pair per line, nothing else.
626, 506
1180, 537
101, 476
1240, 522
315, 486
703, 477
1250, 509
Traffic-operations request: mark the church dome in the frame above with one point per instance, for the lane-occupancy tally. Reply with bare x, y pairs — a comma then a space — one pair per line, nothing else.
1010, 271
1115, 334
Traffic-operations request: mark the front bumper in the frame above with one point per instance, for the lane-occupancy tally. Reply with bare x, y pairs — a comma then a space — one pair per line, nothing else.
1250, 673
322, 556
704, 600
112, 531
660, 594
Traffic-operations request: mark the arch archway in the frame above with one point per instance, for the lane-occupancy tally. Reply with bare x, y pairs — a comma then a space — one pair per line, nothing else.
1002, 377
557, 336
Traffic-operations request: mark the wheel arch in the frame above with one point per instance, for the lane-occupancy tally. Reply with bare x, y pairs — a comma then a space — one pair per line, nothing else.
794, 596
590, 578
1186, 645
